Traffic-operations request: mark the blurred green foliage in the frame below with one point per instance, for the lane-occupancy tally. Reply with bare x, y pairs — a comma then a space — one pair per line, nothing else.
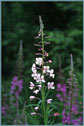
62, 21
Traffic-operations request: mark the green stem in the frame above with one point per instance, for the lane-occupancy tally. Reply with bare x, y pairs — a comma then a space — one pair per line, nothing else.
43, 101
43, 86
46, 119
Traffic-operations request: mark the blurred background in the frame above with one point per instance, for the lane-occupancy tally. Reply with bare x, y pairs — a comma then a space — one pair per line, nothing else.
63, 22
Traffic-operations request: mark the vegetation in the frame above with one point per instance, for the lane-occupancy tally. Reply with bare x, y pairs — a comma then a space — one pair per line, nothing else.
63, 23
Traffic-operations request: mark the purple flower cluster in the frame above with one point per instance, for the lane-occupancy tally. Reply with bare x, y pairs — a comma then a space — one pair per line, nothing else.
69, 95
16, 83
66, 119
3, 110
62, 89
63, 95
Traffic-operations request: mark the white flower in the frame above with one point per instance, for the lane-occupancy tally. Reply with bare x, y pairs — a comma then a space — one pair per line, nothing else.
46, 69
34, 68
51, 85
39, 61
49, 101
31, 88
36, 108
32, 97
40, 86
34, 71
52, 75
33, 113
51, 72
34, 65
39, 78
42, 79
31, 85
50, 61
36, 91
34, 75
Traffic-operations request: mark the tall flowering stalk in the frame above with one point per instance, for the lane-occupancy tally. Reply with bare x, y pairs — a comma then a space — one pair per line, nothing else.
72, 94
61, 86
17, 82
70, 113
20, 64
41, 84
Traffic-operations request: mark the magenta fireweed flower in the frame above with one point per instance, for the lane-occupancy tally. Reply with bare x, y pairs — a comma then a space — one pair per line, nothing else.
16, 83
60, 97
3, 110
61, 88
80, 119
74, 109
16, 88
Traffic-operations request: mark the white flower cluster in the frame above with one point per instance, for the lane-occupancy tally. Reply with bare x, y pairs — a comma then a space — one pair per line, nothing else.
33, 86
37, 76
46, 69
39, 61
40, 78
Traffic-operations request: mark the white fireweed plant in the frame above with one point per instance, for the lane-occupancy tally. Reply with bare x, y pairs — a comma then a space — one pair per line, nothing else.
41, 71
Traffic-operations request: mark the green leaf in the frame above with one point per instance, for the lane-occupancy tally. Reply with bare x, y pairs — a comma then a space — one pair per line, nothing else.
31, 105
39, 102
